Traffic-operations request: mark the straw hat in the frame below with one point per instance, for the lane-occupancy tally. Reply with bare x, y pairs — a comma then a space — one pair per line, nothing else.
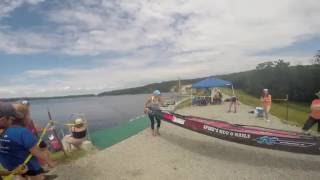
21, 108
78, 121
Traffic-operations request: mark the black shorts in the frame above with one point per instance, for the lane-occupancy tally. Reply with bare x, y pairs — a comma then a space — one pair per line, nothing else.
310, 122
33, 172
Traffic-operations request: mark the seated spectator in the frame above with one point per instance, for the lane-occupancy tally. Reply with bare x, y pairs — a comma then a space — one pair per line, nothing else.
16, 143
78, 135
216, 97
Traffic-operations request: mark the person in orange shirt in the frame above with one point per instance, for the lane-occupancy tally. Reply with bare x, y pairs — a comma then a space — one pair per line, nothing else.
266, 101
314, 116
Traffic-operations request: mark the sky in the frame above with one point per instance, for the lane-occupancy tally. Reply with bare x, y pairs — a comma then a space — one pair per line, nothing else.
63, 47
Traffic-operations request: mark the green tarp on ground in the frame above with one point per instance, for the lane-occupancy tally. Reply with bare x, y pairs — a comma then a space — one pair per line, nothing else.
108, 137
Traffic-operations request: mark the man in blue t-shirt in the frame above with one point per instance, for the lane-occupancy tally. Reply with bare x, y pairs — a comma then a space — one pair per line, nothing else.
16, 143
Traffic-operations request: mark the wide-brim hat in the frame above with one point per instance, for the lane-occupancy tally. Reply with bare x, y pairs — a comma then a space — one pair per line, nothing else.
78, 121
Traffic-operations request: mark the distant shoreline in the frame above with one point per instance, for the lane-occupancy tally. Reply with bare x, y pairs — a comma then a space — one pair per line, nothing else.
44, 98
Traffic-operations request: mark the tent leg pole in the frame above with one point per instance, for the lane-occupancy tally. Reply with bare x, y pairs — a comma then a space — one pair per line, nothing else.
191, 96
232, 89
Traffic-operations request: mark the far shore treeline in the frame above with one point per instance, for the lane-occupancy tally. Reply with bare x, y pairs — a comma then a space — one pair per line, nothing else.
299, 82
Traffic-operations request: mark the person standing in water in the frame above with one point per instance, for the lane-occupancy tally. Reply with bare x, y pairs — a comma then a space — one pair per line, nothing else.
150, 107
314, 116
266, 101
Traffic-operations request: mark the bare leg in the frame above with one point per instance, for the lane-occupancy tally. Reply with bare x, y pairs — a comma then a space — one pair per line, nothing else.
266, 112
66, 142
230, 105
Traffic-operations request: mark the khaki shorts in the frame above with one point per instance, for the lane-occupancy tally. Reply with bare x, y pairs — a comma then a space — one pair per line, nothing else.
74, 141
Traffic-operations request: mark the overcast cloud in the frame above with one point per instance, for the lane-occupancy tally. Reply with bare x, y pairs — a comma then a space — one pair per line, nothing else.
132, 43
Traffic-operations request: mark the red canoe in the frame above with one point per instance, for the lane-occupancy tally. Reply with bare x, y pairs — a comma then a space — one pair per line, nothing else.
249, 135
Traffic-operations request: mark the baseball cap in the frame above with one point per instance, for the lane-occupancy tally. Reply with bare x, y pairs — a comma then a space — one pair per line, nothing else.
156, 93
7, 109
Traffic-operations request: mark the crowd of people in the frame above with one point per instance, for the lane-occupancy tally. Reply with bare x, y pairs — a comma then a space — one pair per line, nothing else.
23, 152
155, 101
19, 135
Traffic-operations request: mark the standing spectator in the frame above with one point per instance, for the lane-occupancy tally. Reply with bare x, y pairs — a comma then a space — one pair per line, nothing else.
266, 101
151, 106
314, 116
233, 102
16, 143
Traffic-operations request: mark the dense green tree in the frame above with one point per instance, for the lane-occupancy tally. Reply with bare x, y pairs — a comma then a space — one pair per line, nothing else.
316, 59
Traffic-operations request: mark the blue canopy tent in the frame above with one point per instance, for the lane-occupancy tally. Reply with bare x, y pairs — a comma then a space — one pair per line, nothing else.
211, 82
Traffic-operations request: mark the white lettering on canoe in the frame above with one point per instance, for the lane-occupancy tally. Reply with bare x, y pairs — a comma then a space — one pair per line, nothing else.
226, 132
178, 120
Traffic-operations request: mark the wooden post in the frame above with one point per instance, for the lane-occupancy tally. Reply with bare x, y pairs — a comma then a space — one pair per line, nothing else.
179, 86
191, 96
55, 134
287, 113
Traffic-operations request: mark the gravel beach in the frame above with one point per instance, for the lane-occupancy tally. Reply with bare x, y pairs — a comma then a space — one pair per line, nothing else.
182, 154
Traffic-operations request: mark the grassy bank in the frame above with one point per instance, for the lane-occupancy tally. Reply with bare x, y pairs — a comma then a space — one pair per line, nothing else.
61, 158
110, 136
183, 104
297, 112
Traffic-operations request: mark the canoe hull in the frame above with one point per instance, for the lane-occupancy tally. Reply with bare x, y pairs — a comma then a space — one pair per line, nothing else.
248, 135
